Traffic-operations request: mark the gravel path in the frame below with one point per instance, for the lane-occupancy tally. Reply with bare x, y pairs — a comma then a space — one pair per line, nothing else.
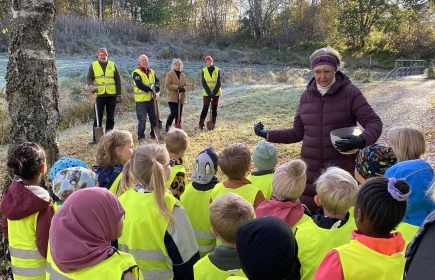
408, 101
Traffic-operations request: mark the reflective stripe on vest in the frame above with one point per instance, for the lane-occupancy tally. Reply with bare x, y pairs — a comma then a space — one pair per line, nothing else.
248, 191
115, 185
105, 82
148, 246
315, 242
204, 269
174, 170
262, 182
114, 267
140, 95
196, 204
211, 80
26, 261
360, 262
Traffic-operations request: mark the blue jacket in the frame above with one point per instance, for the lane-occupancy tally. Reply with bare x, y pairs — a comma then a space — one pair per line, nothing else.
419, 175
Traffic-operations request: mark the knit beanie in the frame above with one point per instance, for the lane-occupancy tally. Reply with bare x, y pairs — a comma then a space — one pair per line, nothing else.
374, 160
208, 57
264, 156
63, 163
267, 248
104, 50
289, 180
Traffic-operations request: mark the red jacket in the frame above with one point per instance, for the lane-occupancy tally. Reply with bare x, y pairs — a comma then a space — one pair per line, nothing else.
18, 203
343, 105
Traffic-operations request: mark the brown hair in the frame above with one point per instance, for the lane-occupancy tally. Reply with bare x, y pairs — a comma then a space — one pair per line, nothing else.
234, 161
176, 141
149, 166
106, 150
407, 143
227, 213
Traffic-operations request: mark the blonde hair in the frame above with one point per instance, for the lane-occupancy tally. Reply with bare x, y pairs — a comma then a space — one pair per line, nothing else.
176, 141
234, 161
227, 213
337, 190
175, 61
149, 167
407, 143
106, 150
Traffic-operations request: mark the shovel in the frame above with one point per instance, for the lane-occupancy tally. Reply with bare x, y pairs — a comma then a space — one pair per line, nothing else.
158, 124
177, 123
98, 131
210, 124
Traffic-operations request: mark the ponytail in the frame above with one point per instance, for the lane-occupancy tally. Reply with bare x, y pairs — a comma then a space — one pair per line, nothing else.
126, 180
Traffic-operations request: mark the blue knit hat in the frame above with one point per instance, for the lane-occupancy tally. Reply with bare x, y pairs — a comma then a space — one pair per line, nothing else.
65, 162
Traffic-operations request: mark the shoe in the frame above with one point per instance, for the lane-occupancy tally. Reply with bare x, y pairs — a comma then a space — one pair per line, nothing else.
201, 128
167, 130
141, 139
152, 136
93, 142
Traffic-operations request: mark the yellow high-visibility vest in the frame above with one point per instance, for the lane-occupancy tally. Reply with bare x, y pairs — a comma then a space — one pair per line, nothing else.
211, 80
111, 268
174, 170
204, 269
140, 95
26, 261
248, 191
408, 231
144, 232
196, 204
263, 182
104, 81
360, 262
114, 187
315, 242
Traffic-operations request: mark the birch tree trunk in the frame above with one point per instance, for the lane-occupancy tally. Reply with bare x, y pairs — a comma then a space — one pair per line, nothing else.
31, 78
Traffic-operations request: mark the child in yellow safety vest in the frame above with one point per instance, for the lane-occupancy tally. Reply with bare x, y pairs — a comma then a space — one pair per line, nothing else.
27, 212
69, 180
374, 252
177, 142
227, 214
113, 151
157, 231
288, 184
196, 199
265, 159
331, 225
80, 239
235, 162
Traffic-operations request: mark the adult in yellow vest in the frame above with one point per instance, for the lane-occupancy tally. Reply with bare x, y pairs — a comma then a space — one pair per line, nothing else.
80, 239
157, 230
211, 83
26, 213
145, 83
104, 83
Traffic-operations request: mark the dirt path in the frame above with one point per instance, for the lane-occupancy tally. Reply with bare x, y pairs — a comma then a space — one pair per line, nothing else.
408, 101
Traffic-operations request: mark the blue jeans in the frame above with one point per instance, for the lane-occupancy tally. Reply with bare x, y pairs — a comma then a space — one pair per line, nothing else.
142, 109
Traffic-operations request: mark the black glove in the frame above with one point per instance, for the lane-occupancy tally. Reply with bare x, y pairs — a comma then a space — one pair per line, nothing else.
259, 130
211, 94
156, 88
215, 92
180, 87
352, 142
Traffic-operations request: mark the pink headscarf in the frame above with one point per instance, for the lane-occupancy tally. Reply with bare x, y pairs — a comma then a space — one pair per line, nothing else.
82, 228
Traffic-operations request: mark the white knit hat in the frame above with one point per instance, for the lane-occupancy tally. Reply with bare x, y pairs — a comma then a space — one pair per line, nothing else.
289, 180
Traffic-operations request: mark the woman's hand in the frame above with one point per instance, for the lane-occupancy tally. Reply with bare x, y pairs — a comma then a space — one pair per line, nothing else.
259, 130
352, 142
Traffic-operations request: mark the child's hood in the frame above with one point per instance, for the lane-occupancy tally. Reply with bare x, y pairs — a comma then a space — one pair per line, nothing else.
290, 212
18, 202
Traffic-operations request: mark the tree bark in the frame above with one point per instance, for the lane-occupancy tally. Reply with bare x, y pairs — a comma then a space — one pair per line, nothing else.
31, 78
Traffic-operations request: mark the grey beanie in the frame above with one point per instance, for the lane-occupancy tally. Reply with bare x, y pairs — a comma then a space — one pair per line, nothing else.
264, 156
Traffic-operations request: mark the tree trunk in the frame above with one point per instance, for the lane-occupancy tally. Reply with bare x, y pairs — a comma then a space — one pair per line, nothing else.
31, 78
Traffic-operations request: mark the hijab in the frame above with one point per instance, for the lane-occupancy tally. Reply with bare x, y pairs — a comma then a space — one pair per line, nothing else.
81, 230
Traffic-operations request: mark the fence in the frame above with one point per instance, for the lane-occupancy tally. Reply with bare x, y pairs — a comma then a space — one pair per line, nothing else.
407, 67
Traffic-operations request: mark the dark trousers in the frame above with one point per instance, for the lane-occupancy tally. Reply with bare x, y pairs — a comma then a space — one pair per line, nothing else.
110, 104
206, 105
174, 113
142, 109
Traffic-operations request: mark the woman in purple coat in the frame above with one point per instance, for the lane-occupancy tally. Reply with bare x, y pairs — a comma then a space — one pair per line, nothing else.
330, 102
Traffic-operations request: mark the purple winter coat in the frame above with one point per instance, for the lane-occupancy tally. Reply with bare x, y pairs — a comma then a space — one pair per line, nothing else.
343, 105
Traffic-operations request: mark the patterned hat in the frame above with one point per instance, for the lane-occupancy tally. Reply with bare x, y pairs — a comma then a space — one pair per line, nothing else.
71, 179
374, 160
65, 162
206, 164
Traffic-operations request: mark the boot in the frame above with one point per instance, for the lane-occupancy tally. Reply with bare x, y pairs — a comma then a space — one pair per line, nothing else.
167, 129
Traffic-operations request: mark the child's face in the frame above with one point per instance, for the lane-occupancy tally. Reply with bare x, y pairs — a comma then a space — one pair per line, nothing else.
124, 153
